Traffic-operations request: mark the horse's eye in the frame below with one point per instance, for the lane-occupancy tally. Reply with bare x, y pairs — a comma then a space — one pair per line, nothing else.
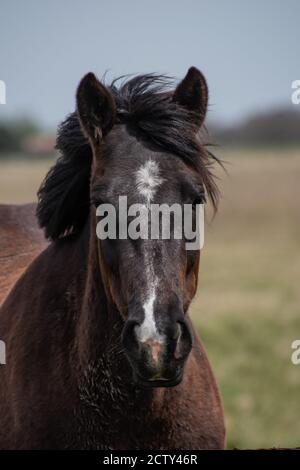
198, 200
96, 201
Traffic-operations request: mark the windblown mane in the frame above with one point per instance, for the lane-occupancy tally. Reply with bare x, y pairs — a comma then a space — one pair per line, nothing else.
144, 103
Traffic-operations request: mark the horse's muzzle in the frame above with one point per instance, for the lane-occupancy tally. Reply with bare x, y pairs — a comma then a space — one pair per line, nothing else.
158, 362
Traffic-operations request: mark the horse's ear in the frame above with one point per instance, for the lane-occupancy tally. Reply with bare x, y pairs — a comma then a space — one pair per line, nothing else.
192, 94
96, 108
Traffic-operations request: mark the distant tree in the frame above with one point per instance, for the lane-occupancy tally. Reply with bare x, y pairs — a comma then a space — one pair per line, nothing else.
13, 133
275, 127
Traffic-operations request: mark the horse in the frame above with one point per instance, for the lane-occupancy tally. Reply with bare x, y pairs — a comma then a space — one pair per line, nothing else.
21, 240
101, 352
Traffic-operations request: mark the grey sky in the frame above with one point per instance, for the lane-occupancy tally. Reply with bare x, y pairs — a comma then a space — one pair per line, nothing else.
247, 49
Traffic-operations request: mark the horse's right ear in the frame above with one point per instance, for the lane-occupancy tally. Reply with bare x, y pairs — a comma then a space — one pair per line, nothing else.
96, 108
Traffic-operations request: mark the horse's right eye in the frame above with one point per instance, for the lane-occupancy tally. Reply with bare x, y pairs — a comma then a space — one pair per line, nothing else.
198, 200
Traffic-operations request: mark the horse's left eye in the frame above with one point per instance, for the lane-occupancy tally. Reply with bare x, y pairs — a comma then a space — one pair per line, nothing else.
96, 201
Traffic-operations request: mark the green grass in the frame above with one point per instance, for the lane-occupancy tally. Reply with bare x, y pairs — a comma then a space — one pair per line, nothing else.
247, 309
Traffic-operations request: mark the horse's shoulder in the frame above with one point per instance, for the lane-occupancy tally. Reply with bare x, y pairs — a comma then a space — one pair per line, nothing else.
21, 240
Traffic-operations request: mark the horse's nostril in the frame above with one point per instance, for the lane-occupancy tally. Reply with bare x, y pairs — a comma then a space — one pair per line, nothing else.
177, 332
184, 341
129, 339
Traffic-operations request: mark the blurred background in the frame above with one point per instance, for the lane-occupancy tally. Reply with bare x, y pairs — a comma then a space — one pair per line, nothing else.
247, 307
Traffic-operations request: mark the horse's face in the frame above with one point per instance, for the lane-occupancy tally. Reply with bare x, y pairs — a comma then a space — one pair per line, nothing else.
151, 281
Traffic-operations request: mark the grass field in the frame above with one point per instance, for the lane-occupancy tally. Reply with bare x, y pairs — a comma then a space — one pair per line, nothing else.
247, 310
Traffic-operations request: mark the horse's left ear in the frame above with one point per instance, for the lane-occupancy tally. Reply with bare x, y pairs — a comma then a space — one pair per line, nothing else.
96, 108
192, 94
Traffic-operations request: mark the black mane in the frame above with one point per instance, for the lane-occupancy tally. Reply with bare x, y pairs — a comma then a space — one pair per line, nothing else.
143, 103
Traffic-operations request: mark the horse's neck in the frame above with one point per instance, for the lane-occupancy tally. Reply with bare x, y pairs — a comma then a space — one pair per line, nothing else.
99, 322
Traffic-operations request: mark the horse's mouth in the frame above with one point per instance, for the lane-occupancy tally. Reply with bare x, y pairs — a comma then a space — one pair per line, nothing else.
158, 382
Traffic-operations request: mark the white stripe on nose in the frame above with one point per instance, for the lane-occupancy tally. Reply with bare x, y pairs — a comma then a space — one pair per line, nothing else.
147, 180
147, 330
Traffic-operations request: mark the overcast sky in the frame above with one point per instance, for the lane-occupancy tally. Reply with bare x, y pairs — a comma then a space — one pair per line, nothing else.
249, 50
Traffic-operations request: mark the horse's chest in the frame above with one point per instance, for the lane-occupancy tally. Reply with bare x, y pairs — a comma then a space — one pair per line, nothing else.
95, 431
111, 416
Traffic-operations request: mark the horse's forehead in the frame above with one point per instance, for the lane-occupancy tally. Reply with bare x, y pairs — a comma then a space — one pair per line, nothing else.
129, 152
142, 178
133, 160
134, 168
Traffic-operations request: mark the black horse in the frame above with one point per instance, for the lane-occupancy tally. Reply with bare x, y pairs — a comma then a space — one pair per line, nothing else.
101, 353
